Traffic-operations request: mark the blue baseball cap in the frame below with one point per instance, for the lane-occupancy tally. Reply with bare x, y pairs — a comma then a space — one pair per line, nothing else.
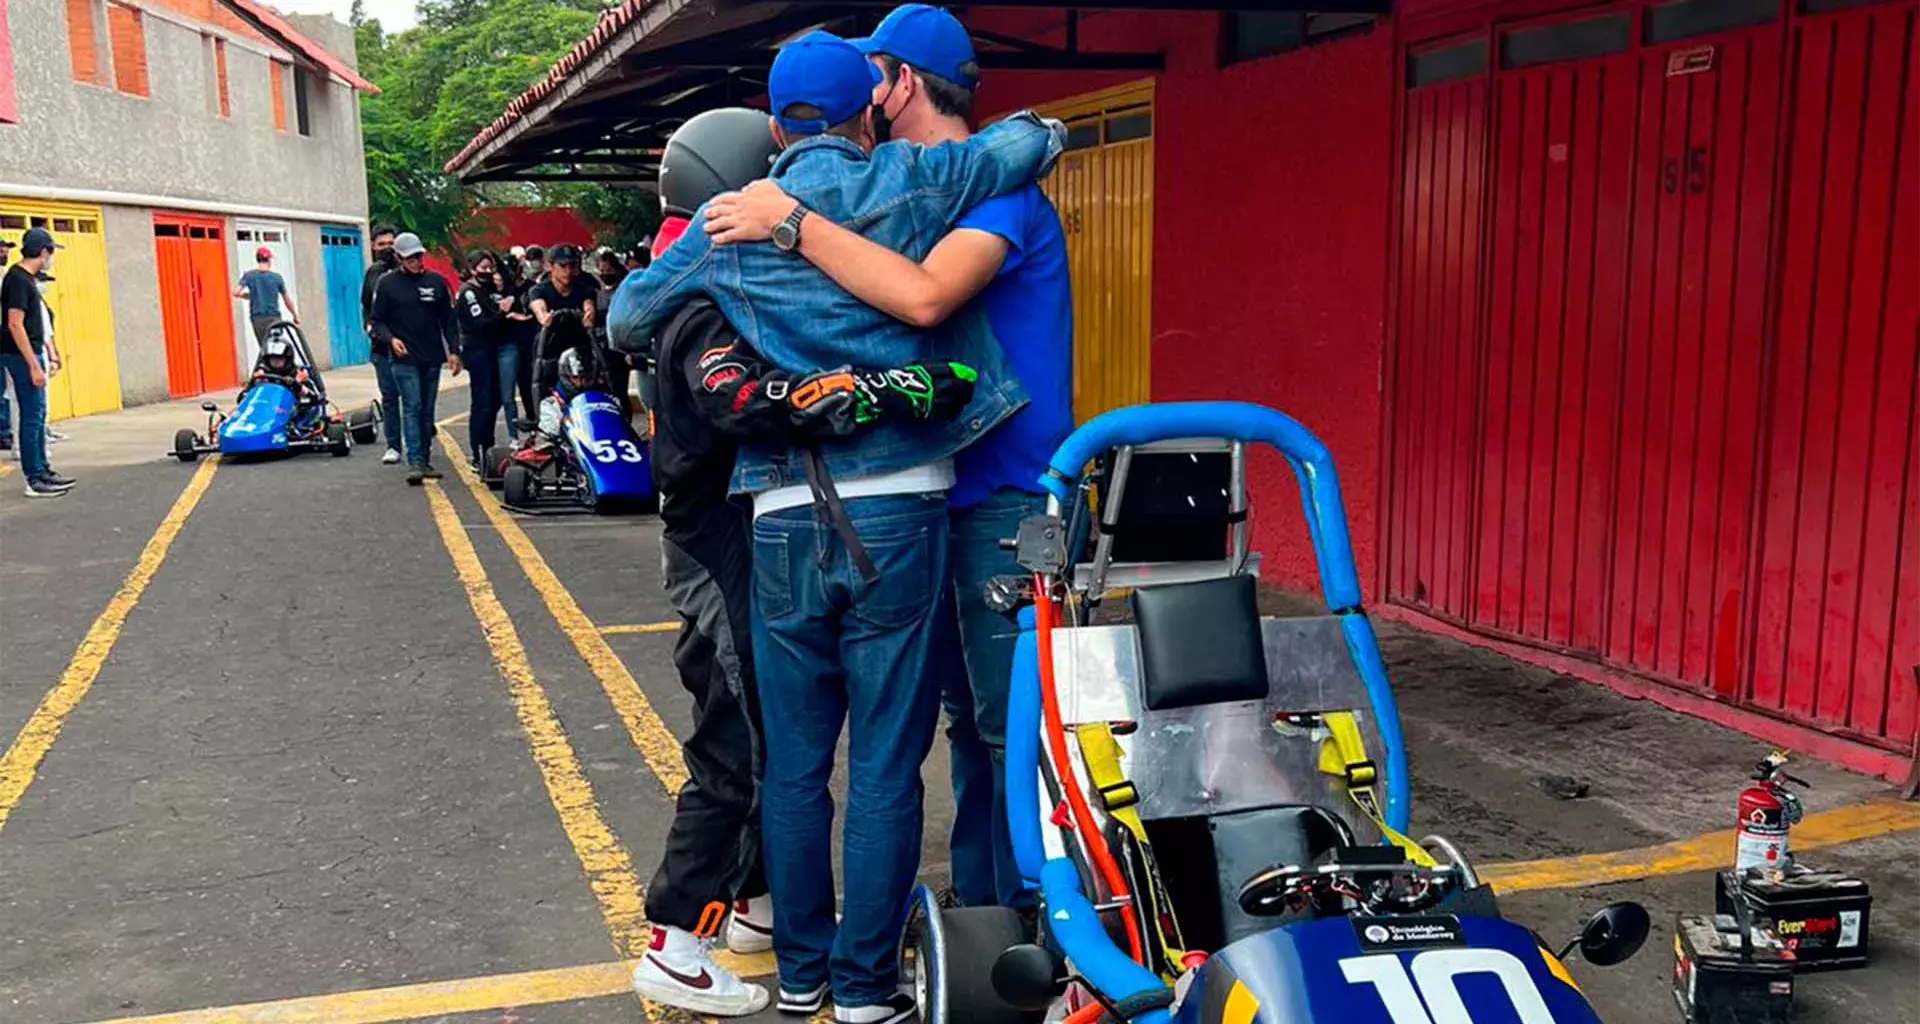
927, 39
824, 71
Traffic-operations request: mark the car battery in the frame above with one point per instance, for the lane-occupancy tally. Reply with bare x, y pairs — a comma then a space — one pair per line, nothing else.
1821, 915
1719, 979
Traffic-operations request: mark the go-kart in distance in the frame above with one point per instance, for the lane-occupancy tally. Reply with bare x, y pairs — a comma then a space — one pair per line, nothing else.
581, 454
283, 408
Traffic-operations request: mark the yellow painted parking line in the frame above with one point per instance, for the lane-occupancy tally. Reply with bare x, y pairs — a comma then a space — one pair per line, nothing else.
412, 1002
5, 468
643, 627
1700, 853
608, 866
22, 760
650, 735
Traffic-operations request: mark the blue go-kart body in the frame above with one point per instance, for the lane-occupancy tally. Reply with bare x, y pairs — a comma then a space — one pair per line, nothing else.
271, 416
595, 463
1277, 784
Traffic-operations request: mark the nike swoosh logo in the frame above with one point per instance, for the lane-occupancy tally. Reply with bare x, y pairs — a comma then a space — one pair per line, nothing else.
701, 981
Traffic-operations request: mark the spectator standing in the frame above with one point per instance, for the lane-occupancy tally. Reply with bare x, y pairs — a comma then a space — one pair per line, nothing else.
383, 261
567, 287
54, 363
22, 360
488, 349
6, 406
413, 315
265, 291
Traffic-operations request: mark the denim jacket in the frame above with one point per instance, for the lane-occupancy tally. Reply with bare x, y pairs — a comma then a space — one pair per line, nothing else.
903, 196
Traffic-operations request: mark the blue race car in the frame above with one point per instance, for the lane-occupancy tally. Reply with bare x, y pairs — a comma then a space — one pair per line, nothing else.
1210, 805
283, 408
583, 454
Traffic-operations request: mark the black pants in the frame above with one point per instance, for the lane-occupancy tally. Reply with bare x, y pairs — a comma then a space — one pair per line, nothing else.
529, 355
713, 847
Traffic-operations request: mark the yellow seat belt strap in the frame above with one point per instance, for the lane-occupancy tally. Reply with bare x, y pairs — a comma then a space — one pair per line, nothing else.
1343, 755
1101, 753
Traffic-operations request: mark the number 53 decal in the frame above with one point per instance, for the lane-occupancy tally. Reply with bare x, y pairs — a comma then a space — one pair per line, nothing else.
1430, 977
615, 451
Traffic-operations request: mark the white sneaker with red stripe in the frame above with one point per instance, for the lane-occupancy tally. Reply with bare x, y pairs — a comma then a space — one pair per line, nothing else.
678, 971
750, 926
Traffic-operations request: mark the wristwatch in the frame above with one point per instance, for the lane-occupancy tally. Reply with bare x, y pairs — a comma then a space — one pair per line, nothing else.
786, 234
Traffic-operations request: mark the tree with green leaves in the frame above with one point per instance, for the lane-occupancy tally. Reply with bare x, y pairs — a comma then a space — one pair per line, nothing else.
443, 81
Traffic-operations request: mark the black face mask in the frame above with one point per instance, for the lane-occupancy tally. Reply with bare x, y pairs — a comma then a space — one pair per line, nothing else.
882, 124
387, 258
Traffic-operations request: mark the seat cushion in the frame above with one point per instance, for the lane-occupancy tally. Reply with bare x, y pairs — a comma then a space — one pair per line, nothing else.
1200, 643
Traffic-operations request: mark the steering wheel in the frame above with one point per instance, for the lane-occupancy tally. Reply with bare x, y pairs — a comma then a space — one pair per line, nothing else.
1395, 887
1274, 891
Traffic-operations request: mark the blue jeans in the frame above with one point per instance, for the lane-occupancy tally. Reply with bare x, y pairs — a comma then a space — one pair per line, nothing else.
829, 649
494, 372
419, 388
975, 696
6, 412
32, 435
389, 399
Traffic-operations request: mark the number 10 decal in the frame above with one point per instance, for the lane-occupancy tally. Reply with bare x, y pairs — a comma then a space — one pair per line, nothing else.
1430, 977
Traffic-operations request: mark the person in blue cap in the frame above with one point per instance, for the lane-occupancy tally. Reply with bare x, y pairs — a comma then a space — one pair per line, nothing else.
1011, 254
851, 584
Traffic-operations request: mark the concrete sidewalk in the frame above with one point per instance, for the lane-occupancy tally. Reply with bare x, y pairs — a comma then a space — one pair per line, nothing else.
144, 433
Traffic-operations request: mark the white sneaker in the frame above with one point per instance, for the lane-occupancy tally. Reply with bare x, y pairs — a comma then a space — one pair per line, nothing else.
750, 926
54, 436
678, 971
896, 1010
392, 456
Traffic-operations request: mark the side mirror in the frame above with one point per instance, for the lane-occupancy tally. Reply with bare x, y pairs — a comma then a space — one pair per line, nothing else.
1613, 935
209, 406
1029, 977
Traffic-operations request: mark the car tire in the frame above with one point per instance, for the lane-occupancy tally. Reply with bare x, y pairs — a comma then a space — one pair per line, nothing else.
365, 424
184, 442
517, 485
494, 471
956, 985
337, 440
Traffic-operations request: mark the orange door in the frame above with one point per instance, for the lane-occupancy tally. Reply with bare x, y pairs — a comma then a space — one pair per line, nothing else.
175, 267
213, 305
195, 313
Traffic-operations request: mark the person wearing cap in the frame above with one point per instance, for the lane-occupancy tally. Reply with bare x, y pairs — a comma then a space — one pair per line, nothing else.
568, 287
850, 582
22, 358
381, 238
265, 290
413, 317
1010, 252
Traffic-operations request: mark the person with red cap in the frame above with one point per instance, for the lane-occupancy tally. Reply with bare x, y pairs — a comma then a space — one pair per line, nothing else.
265, 290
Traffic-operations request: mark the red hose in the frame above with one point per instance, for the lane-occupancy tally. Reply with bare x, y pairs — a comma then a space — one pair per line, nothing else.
1090, 836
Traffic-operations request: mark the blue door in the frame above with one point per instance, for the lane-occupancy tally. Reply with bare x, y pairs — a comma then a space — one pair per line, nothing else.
340, 252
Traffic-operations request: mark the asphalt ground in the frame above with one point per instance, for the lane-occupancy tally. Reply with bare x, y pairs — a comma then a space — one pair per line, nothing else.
365, 752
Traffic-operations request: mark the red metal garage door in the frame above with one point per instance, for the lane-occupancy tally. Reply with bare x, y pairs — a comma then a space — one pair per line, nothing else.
1691, 376
1444, 139
1836, 628
191, 260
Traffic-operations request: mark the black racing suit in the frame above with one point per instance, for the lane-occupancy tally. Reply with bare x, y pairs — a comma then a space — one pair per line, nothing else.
709, 393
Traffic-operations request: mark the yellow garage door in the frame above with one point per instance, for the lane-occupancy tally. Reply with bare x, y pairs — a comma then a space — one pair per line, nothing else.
1104, 192
82, 312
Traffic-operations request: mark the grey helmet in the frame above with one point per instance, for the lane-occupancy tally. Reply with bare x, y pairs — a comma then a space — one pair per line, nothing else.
715, 151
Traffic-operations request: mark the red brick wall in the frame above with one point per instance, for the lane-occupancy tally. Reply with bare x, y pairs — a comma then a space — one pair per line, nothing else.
127, 33
1270, 241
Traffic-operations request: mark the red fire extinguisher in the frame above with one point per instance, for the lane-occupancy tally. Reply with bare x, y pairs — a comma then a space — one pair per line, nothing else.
1767, 810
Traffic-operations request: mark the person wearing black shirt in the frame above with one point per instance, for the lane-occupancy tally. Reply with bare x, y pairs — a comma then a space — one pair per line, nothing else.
383, 260
568, 287
413, 316
525, 332
23, 358
488, 349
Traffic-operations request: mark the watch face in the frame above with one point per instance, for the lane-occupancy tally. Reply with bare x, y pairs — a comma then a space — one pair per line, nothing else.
785, 236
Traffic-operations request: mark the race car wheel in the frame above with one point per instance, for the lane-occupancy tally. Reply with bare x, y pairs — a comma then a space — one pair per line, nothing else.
494, 470
184, 441
947, 959
337, 441
517, 485
365, 424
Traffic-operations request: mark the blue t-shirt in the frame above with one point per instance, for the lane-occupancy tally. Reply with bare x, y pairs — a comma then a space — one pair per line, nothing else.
1029, 304
264, 288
